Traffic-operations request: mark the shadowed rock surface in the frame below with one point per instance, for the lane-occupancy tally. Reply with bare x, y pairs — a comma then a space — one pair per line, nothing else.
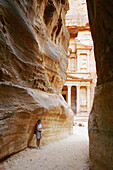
101, 117
33, 63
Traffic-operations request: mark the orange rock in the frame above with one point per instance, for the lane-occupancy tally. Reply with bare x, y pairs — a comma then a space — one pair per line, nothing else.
33, 63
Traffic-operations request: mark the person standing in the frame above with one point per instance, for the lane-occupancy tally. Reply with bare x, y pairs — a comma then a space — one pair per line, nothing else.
38, 133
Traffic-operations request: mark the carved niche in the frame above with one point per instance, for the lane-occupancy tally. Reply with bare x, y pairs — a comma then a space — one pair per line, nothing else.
83, 62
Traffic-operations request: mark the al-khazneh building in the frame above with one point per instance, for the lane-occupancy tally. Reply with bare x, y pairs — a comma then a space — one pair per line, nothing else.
78, 90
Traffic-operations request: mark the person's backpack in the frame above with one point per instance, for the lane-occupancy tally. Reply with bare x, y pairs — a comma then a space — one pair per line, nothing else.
35, 129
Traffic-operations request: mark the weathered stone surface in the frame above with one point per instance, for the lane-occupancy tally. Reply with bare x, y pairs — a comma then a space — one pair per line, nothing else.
33, 63
101, 128
101, 117
77, 15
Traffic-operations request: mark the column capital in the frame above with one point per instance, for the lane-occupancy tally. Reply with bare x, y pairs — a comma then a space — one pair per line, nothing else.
78, 53
78, 85
88, 83
88, 86
69, 85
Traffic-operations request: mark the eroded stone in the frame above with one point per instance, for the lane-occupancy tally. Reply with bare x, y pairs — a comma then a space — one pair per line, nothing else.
33, 50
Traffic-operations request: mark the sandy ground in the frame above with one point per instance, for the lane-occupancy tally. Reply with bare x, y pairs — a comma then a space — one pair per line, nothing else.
68, 154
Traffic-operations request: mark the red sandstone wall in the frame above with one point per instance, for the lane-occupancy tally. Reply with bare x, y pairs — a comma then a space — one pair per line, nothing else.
101, 117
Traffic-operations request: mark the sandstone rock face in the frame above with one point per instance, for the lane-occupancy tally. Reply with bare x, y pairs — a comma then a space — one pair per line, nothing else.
33, 63
101, 117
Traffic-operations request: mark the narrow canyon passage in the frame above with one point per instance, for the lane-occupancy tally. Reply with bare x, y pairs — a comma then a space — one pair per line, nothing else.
71, 153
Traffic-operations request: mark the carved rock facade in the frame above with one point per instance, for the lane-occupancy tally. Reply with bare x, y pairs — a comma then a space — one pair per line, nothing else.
33, 63
79, 87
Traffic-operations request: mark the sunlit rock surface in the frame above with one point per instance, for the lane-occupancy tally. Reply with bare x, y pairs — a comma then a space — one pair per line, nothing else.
77, 15
33, 63
101, 117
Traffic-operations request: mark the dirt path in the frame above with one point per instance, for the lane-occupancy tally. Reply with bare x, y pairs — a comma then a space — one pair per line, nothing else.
67, 154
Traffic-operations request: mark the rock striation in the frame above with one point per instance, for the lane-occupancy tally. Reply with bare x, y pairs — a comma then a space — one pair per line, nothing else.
33, 63
101, 117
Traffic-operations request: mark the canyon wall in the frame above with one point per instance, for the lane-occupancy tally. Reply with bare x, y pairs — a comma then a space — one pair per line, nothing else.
101, 117
33, 63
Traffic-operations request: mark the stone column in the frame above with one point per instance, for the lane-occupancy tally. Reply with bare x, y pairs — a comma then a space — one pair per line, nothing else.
88, 99
69, 95
78, 63
69, 63
78, 99
88, 62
